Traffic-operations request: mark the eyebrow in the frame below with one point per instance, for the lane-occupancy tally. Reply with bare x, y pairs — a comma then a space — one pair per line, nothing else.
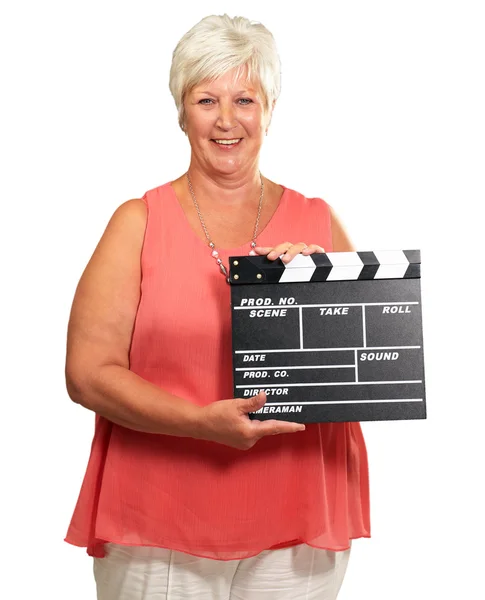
239, 92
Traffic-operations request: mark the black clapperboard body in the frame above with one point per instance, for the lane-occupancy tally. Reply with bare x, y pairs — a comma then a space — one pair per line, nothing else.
330, 337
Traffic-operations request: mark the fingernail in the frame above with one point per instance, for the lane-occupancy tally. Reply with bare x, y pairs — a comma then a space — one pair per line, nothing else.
252, 253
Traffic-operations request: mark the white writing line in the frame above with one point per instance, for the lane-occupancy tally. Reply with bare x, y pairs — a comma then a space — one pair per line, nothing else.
344, 402
301, 327
356, 366
287, 368
320, 305
328, 349
286, 385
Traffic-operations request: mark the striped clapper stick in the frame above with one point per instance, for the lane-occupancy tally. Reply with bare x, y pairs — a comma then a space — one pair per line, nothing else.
330, 337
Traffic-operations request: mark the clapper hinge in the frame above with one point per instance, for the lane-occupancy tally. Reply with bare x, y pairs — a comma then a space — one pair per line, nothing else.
254, 269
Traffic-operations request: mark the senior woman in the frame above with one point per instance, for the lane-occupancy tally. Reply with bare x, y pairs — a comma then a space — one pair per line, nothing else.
184, 495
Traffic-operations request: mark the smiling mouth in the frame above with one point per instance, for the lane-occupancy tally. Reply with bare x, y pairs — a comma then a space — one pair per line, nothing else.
227, 143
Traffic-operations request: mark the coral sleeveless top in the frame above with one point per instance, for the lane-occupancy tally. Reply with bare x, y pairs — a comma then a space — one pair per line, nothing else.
201, 497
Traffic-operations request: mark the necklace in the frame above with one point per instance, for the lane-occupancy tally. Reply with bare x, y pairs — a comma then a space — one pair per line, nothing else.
212, 246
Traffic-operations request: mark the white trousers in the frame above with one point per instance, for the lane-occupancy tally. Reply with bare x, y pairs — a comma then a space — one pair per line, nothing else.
143, 573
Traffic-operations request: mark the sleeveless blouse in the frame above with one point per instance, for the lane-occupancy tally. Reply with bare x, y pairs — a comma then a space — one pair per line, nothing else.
201, 497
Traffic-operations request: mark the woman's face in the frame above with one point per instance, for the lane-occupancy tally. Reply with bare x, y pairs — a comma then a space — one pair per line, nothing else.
226, 109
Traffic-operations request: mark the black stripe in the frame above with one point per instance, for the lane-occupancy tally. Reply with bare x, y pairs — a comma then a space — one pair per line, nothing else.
368, 258
413, 272
371, 265
321, 260
414, 256
323, 267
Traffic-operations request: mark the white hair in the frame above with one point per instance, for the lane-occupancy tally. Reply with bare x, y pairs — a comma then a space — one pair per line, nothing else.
217, 44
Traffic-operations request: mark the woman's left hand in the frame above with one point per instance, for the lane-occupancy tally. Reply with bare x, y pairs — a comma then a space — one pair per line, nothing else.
287, 251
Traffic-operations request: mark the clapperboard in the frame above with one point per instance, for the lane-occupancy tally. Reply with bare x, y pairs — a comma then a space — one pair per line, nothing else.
330, 337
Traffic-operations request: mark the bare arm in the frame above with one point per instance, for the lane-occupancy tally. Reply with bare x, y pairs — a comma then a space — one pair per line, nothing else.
99, 336
100, 330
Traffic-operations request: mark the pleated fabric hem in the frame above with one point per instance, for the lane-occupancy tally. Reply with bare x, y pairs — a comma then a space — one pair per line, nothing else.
97, 549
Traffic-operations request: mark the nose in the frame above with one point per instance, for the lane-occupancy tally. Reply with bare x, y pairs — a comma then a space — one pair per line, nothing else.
227, 116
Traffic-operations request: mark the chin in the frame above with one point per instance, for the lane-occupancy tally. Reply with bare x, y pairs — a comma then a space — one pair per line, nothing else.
227, 168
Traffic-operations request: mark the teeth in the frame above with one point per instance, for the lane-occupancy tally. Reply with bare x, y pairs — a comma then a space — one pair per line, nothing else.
226, 142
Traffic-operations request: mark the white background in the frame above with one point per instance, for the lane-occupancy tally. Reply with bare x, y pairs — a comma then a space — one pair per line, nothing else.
381, 113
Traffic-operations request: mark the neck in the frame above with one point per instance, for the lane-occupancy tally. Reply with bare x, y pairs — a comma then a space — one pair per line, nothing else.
233, 189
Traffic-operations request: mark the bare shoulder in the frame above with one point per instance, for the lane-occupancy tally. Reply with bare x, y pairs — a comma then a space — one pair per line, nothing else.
125, 230
341, 241
132, 214
107, 296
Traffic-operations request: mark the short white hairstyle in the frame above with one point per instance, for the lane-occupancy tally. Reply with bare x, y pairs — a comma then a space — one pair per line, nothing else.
218, 44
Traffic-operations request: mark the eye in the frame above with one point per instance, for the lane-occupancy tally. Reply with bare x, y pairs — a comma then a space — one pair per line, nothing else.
204, 100
248, 100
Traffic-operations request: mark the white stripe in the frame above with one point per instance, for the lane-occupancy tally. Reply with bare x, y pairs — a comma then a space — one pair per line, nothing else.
393, 264
350, 273
294, 274
301, 262
346, 266
391, 257
300, 268
391, 271
345, 259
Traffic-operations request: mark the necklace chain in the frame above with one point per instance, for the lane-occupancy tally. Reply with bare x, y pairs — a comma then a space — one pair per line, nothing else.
212, 246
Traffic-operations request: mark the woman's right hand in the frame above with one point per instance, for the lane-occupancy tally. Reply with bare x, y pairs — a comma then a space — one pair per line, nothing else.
227, 422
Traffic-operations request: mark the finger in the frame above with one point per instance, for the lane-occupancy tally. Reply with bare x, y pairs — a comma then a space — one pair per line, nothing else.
262, 250
273, 252
293, 251
247, 405
312, 249
273, 427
